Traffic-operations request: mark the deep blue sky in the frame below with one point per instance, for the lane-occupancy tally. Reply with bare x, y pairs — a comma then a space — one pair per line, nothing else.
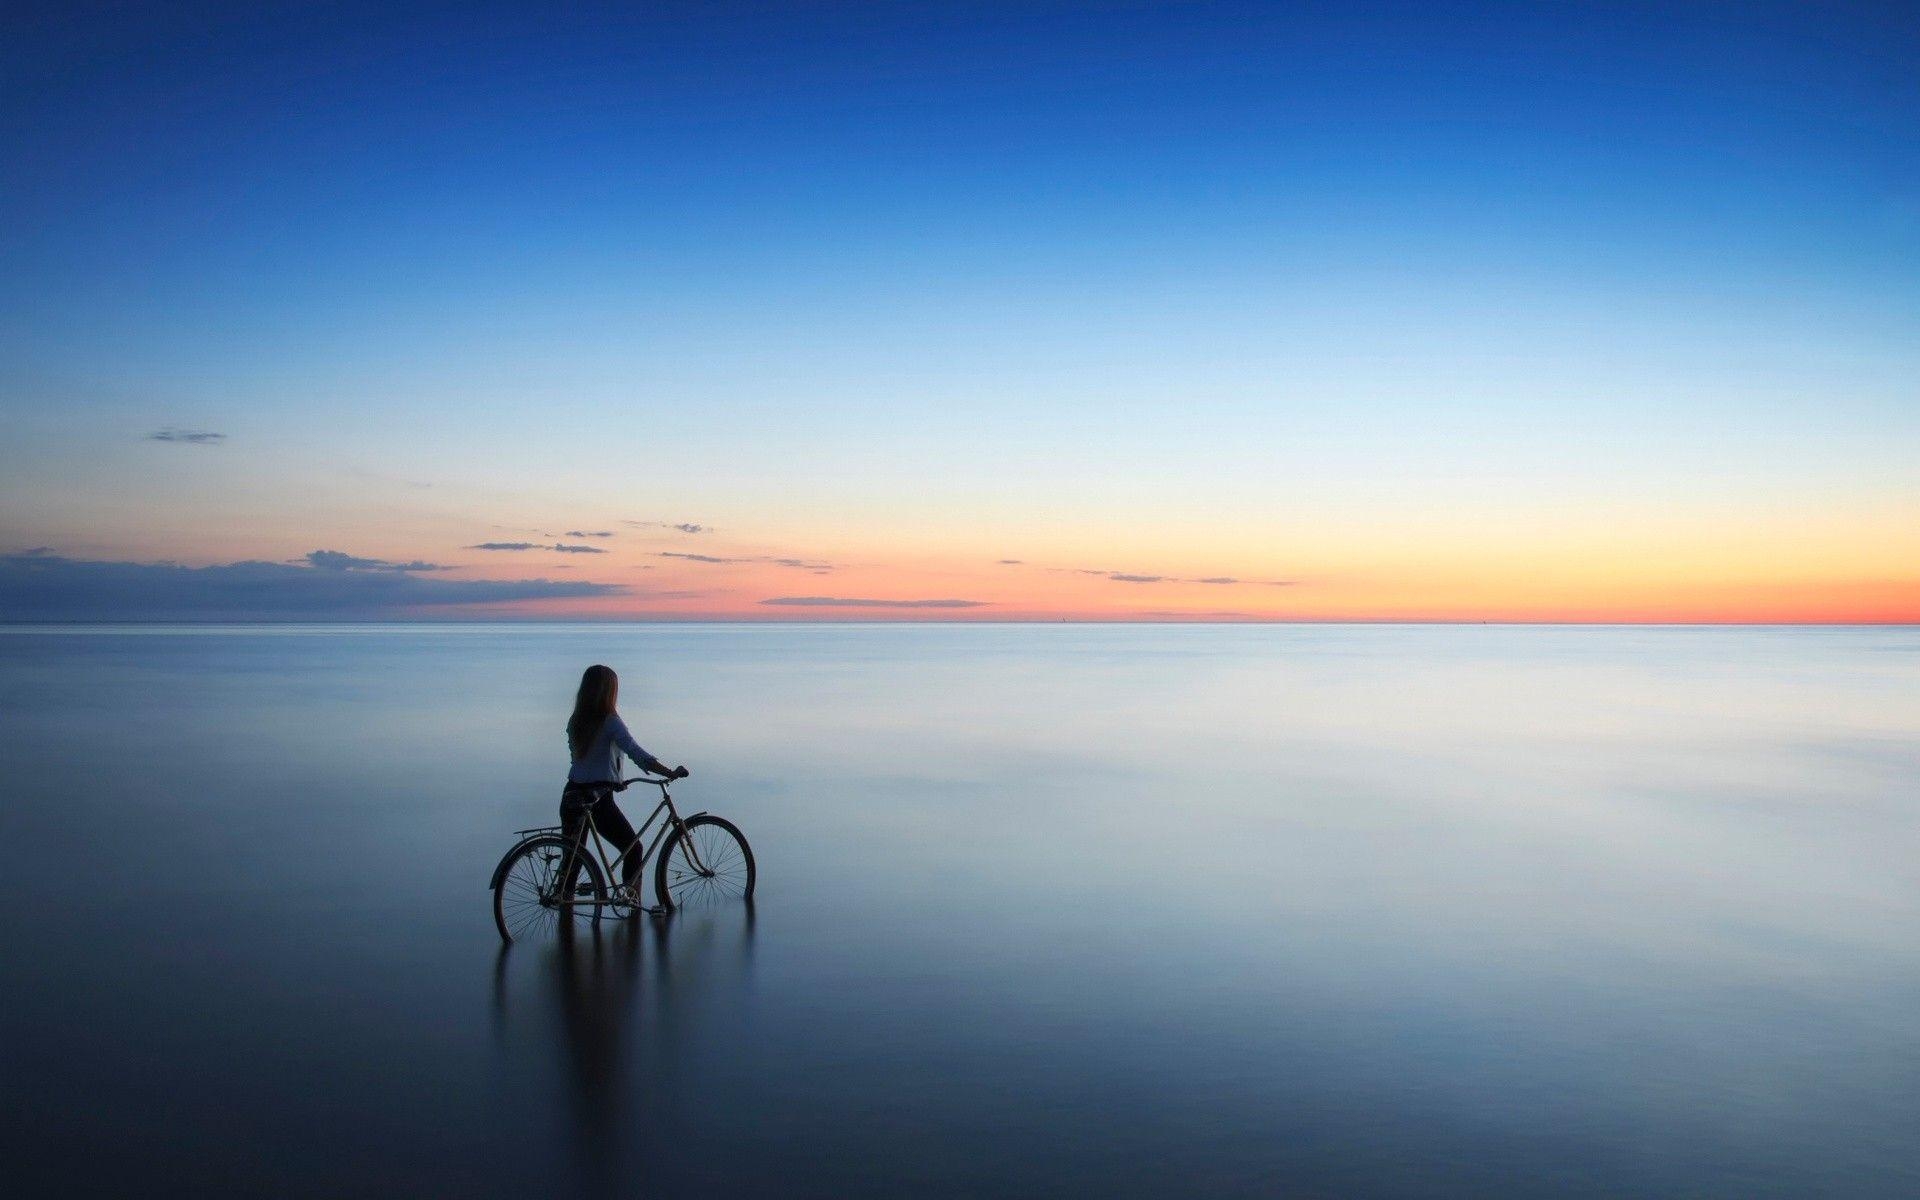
179, 140
1329, 265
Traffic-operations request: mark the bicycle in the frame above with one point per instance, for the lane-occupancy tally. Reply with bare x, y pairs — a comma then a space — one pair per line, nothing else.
538, 892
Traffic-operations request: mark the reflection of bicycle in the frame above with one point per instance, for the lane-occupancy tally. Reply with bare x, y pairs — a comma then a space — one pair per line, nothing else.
549, 880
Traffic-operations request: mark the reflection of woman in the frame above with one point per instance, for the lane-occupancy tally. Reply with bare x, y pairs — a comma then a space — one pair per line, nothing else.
595, 987
619, 1082
596, 737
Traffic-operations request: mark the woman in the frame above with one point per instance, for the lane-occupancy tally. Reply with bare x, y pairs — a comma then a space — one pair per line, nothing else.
596, 736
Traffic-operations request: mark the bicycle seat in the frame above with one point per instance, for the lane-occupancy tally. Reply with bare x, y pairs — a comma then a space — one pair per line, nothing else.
589, 789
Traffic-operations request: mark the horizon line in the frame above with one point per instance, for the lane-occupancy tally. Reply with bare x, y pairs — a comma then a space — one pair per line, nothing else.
8, 623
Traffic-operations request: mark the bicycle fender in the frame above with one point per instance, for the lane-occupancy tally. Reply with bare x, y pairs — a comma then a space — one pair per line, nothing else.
500, 872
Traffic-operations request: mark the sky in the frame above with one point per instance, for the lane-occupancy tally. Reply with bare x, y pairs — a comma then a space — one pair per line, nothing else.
912, 311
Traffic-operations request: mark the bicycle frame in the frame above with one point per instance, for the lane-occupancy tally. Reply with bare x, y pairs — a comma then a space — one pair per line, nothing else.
672, 822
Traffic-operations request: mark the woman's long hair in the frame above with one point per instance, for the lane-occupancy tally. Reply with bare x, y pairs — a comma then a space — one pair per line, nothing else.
599, 688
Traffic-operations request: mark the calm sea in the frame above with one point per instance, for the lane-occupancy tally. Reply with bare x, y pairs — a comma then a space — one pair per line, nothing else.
1043, 910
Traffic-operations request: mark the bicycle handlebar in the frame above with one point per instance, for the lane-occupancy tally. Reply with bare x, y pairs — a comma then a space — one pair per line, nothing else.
621, 785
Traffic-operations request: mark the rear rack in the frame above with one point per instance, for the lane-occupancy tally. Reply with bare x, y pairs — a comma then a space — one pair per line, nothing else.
539, 829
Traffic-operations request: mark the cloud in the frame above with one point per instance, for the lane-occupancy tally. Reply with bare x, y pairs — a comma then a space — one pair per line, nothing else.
605, 533
334, 560
562, 547
863, 602
49, 587
818, 568
1130, 577
682, 526
195, 437
1011, 562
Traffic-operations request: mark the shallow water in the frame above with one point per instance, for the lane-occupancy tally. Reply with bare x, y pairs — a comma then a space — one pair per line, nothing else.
1109, 910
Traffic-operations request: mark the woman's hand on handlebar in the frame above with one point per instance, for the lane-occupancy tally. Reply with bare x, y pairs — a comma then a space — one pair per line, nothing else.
678, 773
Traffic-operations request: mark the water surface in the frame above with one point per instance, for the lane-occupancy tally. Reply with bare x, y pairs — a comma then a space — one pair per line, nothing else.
1343, 911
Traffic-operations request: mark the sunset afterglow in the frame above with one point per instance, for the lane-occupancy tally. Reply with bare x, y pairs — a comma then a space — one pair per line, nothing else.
1198, 313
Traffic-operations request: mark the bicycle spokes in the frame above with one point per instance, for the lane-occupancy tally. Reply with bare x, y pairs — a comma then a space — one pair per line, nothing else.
545, 889
707, 863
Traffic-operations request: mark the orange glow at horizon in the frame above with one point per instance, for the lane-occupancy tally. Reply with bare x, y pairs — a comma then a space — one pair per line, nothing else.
1601, 566
1004, 593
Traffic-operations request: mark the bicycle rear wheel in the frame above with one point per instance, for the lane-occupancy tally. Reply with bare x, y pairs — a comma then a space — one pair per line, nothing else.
723, 870
532, 903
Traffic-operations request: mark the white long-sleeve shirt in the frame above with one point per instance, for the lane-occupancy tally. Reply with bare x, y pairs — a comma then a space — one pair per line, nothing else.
601, 762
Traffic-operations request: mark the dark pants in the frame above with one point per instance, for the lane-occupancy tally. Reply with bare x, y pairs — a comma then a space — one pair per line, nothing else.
608, 820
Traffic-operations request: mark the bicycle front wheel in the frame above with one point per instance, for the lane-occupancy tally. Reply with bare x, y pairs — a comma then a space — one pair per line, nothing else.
706, 861
533, 903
